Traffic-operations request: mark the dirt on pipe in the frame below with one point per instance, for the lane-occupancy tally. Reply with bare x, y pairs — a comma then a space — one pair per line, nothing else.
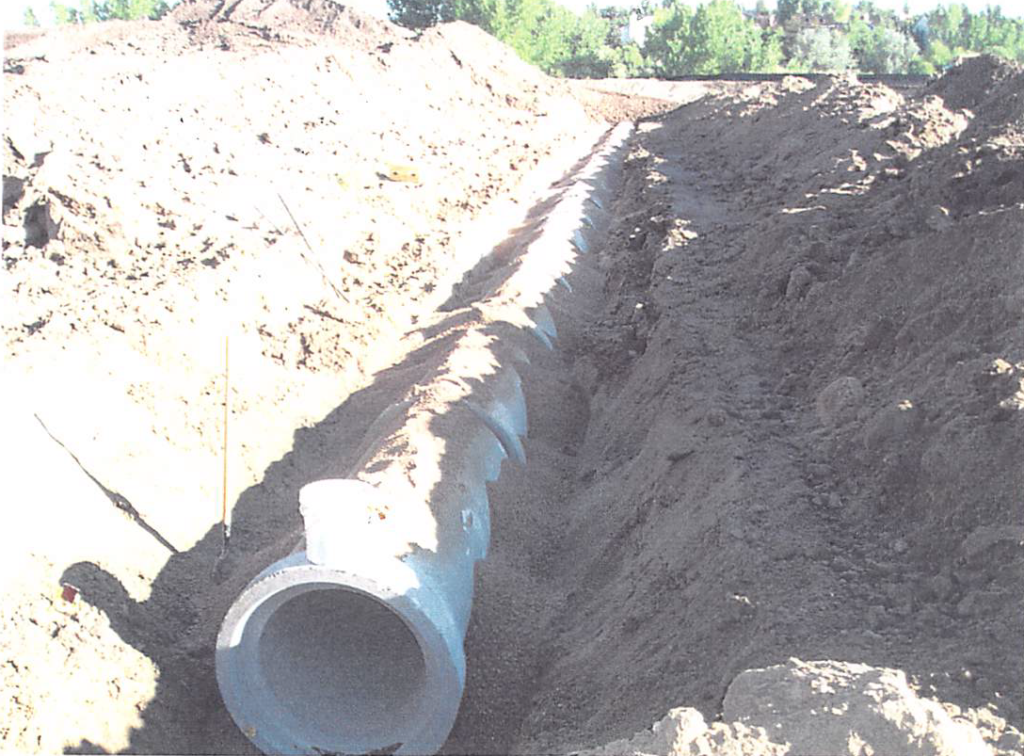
783, 418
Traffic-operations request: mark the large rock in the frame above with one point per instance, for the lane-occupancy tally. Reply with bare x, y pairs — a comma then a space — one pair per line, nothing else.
838, 708
823, 708
840, 401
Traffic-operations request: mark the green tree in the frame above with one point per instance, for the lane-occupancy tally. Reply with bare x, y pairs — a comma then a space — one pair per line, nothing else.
722, 40
538, 30
866, 10
810, 8
858, 32
939, 54
991, 32
716, 38
786, 9
628, 62
921, 65
541, 32
837, 11
977, 32
665, 46
618, 19
947, 24
583, 52
419, 14
950, 32
106, 10
29, 18
884, 50
821, 49
65, 14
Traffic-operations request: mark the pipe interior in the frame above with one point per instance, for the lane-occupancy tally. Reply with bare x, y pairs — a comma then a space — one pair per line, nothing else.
344, 666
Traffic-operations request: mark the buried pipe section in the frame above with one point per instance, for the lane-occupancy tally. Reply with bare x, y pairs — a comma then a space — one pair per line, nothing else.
353, 644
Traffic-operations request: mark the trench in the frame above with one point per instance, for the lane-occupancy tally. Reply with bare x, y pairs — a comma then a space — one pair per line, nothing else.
668, 531
714, 560
575, 577
302, 657
187, 713
526, 596
518, 593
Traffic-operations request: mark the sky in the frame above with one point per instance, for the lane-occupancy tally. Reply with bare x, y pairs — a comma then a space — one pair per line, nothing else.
13, 11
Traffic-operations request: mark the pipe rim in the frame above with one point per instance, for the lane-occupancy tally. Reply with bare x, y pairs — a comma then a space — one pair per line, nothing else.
251, 703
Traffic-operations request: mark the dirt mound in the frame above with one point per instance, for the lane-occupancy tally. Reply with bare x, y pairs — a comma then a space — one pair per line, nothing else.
345, 22
804, 409
983, 173
974, 81
169, 187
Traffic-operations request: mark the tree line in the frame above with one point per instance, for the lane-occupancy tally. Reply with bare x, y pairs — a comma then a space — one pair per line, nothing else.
719, 36
87, 11
685, 38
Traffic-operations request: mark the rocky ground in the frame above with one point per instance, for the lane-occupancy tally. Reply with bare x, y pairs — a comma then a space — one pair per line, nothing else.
784, 420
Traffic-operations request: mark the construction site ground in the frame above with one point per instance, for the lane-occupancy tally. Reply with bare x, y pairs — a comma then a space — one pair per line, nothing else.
783, 421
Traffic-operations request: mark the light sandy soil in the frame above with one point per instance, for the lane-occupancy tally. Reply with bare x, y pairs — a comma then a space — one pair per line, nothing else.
784, 418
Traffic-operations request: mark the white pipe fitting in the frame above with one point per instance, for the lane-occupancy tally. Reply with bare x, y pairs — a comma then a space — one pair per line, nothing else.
354, 645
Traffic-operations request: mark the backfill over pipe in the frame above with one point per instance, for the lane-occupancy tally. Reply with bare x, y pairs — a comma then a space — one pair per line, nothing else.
354, 643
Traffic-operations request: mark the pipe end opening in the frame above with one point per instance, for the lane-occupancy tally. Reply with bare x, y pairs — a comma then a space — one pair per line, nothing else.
325, 668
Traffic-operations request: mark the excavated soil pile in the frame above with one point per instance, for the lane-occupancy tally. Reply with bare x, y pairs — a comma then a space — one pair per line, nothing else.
784, 418
800, 428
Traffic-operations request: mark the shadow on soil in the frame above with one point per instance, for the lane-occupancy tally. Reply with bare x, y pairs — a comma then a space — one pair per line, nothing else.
177, 626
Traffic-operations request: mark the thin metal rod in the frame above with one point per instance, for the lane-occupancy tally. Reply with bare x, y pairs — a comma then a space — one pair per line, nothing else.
312, 261
225, 525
